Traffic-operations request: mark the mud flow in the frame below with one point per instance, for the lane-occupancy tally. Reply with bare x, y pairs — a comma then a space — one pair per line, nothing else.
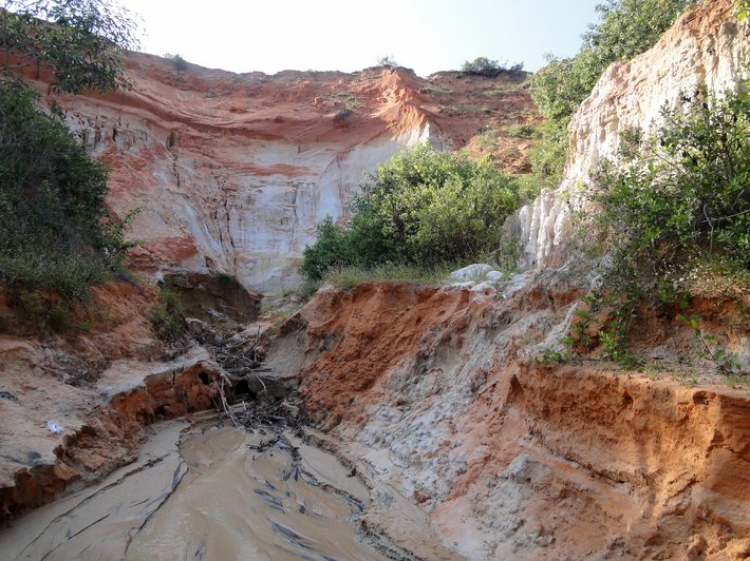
205, 492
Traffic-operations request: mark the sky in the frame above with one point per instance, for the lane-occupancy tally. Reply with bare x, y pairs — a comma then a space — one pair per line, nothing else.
349, 35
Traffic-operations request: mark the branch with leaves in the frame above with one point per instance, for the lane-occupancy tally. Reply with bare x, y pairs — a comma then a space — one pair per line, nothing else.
81, 42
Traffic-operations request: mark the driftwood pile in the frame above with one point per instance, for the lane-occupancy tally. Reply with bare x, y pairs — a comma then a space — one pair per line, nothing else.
243, 361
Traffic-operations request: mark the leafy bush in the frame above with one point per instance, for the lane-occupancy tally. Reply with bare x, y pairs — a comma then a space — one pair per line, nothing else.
487, 139
521, 131
54, 231
55, 236
671, 205
423, 208
681, 195
388, 61
179, 63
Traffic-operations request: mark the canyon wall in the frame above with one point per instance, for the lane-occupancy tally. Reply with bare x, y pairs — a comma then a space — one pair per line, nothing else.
232, 172
706, 46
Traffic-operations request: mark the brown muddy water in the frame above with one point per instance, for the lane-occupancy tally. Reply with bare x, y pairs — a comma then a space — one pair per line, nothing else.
204, 492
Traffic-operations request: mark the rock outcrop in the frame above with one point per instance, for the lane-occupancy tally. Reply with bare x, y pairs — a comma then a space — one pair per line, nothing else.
706, 46
232, 172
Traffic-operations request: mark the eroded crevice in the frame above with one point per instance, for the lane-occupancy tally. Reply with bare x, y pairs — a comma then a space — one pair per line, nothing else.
110, 436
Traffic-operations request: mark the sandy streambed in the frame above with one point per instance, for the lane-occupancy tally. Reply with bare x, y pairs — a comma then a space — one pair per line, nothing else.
204, 492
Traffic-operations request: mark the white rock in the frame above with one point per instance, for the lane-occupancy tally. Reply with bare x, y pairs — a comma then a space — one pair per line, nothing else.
472, 273
495, 276
630, 95
55, 427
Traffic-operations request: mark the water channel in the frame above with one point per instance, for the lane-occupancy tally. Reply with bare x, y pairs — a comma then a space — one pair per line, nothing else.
205, 491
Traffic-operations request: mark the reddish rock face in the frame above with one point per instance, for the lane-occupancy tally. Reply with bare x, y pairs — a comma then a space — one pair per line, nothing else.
233, 171
437, 392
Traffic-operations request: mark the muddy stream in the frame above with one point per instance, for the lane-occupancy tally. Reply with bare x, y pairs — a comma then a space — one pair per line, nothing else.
203, 491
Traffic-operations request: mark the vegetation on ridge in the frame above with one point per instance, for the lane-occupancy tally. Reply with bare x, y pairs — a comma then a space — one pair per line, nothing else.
483, 66
626, 29
56, 235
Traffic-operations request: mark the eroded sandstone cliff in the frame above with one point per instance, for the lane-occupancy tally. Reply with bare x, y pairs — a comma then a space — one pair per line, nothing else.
233, 172
706, 46
434, 394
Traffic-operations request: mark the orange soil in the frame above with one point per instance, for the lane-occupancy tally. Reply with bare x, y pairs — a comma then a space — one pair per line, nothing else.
615, 462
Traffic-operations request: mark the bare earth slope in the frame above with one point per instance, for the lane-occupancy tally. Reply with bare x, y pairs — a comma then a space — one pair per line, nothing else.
434, 392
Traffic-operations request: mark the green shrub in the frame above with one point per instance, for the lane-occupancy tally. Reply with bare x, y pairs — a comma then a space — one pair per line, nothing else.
308, 289
179, 63
60, 317
80, 42
387, 61
674, 211
742, 8
30, 305
681, 196
55, 234
521, 131
226, 279
423, 208
332, 249
547, 156
168, 318
487, 139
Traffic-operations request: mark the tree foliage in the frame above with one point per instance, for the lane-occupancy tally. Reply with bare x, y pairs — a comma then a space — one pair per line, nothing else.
742, 8
79, 41
387, 61
423, 208
629, 27
178, 62
54, 230
681, 195
56, 236
626, 29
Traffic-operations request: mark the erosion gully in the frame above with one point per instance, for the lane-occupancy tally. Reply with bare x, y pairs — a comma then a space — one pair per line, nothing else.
204, 489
